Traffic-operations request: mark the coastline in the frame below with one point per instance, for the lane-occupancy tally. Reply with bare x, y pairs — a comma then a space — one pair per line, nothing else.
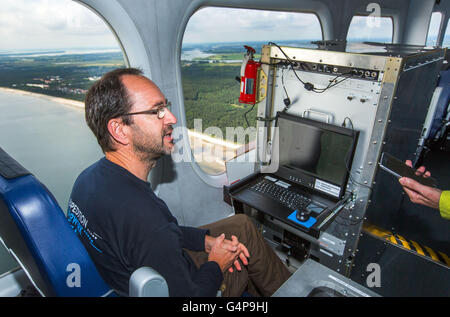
64, 101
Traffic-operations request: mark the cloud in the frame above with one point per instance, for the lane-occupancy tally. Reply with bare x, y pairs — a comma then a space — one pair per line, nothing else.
227, 24
36, 24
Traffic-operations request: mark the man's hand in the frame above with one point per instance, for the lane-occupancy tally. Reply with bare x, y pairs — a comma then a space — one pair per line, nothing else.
233, 246
219, 253
418, 193
243, 253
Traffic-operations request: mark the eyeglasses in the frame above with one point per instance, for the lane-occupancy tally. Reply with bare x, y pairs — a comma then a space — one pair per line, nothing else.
160, 112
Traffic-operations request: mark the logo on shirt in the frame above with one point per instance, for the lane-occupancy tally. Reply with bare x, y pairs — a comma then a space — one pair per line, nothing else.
79, 224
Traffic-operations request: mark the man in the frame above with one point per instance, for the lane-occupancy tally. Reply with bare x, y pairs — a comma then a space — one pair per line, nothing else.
124, 225
425, 195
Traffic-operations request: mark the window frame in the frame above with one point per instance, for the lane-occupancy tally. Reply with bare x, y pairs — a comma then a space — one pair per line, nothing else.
93, 9
218, 180
439, 31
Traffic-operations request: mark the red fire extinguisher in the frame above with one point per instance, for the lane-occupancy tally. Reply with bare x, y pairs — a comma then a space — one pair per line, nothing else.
249, 72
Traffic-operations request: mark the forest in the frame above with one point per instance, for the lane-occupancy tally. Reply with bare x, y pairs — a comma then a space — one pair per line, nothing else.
211, 93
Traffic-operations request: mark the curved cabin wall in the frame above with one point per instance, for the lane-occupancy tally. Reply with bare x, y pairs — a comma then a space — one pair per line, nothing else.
151, 33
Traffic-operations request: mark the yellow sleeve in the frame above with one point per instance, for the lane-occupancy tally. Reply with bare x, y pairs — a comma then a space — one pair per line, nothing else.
444, 204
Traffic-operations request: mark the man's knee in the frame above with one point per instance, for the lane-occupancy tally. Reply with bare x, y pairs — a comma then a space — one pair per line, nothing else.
243, 220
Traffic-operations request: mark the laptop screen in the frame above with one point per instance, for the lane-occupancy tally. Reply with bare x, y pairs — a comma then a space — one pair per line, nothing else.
313, 149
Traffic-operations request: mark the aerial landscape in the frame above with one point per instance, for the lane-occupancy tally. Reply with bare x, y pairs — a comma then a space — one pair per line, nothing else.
209, 72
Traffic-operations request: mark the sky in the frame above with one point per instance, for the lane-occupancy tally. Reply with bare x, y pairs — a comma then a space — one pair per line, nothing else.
228, 25
53, 24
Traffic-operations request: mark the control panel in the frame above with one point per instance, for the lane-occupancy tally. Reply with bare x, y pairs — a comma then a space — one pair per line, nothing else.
338, 70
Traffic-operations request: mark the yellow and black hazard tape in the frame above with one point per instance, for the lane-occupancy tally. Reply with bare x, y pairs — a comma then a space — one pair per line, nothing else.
410, 245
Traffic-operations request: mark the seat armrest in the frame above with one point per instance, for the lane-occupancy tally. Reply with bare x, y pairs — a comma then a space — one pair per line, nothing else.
146, 282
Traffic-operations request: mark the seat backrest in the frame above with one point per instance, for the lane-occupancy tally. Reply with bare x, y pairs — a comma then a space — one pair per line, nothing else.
35, 231
442, 103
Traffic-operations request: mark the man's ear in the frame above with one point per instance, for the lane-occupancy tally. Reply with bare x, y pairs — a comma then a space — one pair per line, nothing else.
118, 131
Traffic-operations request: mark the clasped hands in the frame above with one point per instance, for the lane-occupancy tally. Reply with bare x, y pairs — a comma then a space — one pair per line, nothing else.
226, 252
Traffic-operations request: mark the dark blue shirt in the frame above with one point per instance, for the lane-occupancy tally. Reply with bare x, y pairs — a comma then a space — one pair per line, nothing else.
125, 226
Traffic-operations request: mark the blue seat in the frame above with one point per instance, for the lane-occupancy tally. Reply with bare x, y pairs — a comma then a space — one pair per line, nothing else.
35, 231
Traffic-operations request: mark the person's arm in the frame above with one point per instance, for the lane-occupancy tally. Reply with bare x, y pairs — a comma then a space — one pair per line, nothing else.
421, 194
162, 250
444, 204
194, 238
425, 195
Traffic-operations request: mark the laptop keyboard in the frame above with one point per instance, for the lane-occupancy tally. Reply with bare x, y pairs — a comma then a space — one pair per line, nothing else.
281, 194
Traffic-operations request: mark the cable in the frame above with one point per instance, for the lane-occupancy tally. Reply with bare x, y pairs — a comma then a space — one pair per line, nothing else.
287, 100
245, 115
307, 85
330, 85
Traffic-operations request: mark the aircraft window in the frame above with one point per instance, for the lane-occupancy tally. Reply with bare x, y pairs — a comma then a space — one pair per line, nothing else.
370, 29
212, 53
433, 29
51, 52
446, 42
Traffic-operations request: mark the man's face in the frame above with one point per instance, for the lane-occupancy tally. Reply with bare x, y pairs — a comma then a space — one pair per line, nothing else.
151, 136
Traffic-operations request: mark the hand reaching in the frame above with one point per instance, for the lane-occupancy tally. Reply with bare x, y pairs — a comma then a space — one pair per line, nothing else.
418, 193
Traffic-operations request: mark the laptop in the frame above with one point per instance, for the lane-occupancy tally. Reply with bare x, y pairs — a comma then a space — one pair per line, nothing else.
308, 188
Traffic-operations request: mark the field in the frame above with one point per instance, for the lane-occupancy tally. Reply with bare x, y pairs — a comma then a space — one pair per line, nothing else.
66, 76
210, 89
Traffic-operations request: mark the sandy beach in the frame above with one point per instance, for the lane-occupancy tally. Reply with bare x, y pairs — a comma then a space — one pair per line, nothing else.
67, 102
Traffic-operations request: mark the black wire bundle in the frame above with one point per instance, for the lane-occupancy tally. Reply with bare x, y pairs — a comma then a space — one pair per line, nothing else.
307, 85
